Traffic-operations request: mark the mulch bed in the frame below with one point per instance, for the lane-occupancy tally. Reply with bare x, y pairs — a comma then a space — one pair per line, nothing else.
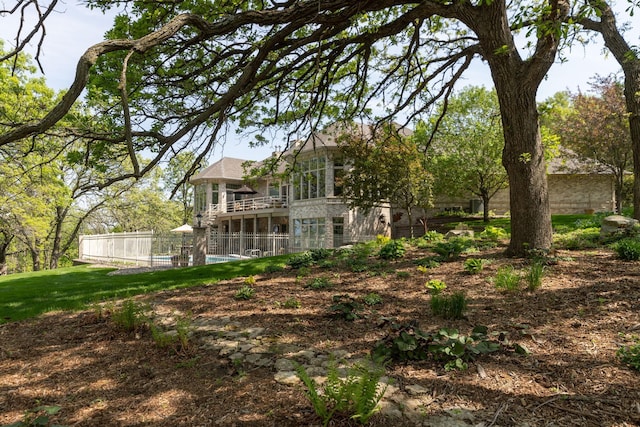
588, 305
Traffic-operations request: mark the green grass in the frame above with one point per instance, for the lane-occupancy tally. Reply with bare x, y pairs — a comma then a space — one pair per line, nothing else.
561, 221
27, 295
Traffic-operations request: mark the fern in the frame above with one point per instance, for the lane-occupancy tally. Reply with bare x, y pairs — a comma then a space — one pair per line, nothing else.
356, 396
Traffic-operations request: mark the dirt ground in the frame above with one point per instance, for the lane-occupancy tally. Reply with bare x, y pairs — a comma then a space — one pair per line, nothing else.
588, 305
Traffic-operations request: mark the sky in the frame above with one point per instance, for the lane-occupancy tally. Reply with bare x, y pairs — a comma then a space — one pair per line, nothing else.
73, 28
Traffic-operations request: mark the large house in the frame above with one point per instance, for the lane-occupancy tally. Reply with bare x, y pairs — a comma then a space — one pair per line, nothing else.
308, 207
306, 210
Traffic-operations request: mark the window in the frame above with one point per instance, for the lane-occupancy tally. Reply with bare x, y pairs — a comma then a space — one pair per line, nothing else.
309, 233
274, 189
338, 176
230, 192
200, 198
309, 179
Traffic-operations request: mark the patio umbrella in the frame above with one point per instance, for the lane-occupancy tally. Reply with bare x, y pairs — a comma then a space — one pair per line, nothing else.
185, 228
245, 189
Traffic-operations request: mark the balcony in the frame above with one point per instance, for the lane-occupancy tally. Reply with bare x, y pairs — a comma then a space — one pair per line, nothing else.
254, 204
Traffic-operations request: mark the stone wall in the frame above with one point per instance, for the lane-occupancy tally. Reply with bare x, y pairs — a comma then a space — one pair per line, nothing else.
568, 194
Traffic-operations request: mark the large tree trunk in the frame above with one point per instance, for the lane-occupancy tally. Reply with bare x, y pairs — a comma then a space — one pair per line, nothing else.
630, 63
516, 82
523, 158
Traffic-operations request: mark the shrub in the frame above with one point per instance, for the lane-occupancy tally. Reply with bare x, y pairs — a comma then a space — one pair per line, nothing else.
435, 286
493, 233
250, 280
320, 254
356, 396
319, 283
630, 355
452, 248
245, 292
534, 275
428, 262
406, 342
274, 268
303, 259
449, 306
346, 307
393, 250
474, 265
585, 238
628, 249
372, 298
507, 278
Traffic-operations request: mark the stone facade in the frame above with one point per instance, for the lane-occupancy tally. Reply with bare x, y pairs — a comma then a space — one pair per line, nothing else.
568, 194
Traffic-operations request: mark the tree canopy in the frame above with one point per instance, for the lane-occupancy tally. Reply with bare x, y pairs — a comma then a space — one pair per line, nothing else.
174, 75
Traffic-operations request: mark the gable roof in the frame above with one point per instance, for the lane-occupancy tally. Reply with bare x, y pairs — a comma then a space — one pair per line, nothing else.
227, 168
328, 138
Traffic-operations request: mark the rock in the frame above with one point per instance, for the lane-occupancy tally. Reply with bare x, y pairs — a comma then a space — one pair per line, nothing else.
286, 378
416, 389
459, 233
615, 224
284, 365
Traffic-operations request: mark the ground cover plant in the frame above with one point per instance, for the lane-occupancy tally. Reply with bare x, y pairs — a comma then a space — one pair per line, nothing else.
564, 353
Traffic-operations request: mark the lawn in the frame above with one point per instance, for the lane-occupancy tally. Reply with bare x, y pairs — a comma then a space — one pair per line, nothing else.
73, 288
556, 362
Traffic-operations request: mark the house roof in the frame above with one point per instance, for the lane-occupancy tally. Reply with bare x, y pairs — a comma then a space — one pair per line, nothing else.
227, 168
328, 138
569, 163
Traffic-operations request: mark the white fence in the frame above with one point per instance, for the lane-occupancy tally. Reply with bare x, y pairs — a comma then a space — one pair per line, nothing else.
129, 248
248, 244
150, 249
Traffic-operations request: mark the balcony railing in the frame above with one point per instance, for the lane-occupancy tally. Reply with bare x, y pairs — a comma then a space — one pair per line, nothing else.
253, 204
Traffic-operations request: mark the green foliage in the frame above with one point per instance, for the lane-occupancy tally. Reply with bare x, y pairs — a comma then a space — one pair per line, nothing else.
428, 262
291, 303
494, 233
585, 238
628, 249
345, 307
274, 268
403, 274
177, 340
319, 283
385, 164
449, 306
38, 416
320, 254
534, 274
356, 396
327, 263
474, 265
435, 286
466, 152
451, 249
130, 316
630, 354
372, 298
249, 280
246, 292
393, 250
303, 259
507, 278
448, 346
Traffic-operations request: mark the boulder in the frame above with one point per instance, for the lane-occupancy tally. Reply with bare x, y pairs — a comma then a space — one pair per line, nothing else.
616, 224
